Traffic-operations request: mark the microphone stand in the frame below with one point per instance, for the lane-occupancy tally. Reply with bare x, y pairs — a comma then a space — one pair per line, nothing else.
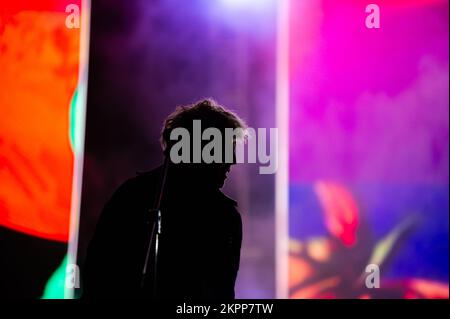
155, 233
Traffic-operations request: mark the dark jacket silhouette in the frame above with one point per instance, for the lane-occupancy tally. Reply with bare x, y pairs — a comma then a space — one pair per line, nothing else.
199, 246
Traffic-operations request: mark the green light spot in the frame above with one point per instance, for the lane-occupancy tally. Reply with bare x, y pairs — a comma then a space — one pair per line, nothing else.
54, 289
73, 121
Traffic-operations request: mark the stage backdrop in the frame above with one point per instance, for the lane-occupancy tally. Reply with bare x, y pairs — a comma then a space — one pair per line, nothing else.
41, 104
369, 149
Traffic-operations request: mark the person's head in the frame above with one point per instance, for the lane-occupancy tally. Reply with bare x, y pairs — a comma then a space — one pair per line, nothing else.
209, 164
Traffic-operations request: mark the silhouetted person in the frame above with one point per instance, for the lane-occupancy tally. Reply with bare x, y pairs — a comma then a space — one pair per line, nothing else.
199, 249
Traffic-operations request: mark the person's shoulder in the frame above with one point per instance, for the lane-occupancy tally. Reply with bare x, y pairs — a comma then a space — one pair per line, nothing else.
141, 182
228, 202
150, 176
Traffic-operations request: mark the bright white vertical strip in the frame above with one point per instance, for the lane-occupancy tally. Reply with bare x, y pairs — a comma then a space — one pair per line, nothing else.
80, 122
282, 175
